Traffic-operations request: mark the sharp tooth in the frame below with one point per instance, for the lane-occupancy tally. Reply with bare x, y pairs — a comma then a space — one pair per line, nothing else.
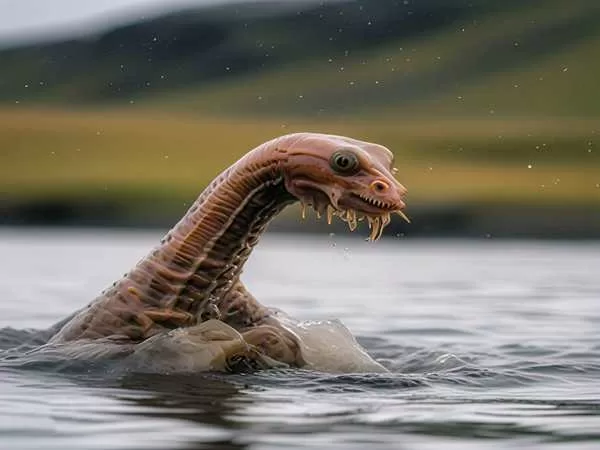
376, 230
401, 214
351, 216
319, 209
329, 214
303, 210
379, 228
385, 219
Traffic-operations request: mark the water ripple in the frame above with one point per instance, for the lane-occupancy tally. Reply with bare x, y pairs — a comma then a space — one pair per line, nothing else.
488, 344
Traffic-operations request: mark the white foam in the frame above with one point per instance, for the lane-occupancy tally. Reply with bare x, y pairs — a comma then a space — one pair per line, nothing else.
328, 346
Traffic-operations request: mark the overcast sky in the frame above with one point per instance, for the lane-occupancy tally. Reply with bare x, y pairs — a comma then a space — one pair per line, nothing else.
25, 20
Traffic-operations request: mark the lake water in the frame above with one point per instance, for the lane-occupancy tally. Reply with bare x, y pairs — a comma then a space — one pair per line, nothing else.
492, 344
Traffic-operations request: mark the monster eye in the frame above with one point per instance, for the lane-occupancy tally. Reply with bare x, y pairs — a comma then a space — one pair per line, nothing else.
344, 162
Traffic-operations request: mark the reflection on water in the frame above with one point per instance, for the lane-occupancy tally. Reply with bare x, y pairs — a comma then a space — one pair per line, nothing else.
491, 344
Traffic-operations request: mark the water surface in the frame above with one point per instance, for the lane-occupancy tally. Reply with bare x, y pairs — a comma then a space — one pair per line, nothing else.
492, 344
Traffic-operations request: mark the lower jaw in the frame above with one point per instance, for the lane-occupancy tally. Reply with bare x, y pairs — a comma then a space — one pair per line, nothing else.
377, 220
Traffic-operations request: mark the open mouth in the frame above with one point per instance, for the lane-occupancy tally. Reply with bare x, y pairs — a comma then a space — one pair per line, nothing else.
350, 207
378, 204
356, 208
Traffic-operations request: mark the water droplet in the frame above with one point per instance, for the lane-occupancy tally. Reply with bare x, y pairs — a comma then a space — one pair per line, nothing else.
564, 69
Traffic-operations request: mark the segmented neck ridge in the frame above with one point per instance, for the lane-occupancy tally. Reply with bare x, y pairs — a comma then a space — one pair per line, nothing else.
201, 258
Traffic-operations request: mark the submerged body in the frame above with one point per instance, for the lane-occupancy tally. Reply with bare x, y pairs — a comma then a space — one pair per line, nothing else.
183, 306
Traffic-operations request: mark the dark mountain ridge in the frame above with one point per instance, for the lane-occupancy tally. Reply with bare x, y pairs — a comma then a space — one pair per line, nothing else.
190, 47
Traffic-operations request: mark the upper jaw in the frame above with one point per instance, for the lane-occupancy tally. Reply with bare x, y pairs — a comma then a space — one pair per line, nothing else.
352, 209
355, 207
370, 205
349, 206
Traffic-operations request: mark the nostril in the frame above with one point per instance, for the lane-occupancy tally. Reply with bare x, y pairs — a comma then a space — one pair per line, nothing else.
379, 186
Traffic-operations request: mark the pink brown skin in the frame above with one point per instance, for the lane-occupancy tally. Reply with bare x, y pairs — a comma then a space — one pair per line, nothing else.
194, 274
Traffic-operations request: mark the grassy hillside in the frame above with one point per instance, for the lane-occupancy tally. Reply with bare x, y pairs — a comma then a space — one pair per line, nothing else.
377, 58
116, 155
534, 60
485, 103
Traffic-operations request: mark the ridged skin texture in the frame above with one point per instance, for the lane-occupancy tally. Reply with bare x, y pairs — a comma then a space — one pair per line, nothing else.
193, 275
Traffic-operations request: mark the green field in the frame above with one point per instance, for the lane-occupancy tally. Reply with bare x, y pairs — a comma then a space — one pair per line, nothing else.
117, 155
535, 60
501, 107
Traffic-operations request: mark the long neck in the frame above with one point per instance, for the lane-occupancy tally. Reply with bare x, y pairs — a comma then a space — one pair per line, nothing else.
202, 257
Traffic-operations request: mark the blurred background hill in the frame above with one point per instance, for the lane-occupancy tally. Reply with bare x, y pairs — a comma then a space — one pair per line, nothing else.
492, 107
